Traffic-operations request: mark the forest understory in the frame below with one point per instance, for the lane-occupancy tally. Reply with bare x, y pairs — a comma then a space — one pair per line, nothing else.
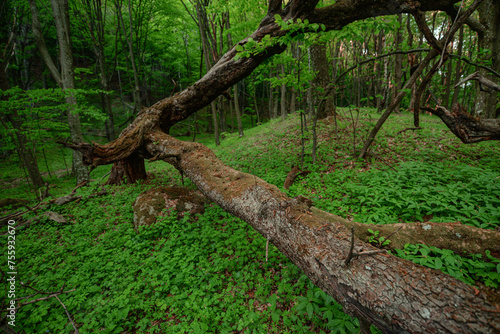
210, 272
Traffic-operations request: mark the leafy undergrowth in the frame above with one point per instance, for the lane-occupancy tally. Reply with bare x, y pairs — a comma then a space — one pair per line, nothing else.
209, 274
468, 270
179, 276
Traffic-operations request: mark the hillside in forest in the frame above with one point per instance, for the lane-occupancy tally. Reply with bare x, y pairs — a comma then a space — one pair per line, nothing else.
212, 272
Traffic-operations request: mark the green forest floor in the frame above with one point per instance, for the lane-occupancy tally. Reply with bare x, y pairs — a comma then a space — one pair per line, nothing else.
210, 274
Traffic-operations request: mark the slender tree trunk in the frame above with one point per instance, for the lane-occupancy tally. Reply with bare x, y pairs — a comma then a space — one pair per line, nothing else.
447, 85
276, 103
237, 110
136, 93
395, 102
489, 44
411, 61
293, 95
26, 155
398, 59
61, 19
93, 13
283, 93
319, 64
207, 51
271, 97
65, 78
458, 69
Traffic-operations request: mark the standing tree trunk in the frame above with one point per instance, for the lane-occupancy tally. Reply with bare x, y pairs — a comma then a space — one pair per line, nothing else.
128, 37
398, 59
208, 50
379, 91
65, 79
411, 61
319, 64
237, 110
458, 69
26, 155
61, 19
96, 23
489, 45
283, 93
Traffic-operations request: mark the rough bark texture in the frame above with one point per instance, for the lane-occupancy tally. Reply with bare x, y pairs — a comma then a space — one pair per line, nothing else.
461, 239
319, 64
65, 79
488, 40
467, 128
129, 170
395, 295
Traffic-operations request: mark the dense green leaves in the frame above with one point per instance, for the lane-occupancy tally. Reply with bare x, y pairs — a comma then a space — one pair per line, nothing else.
210, 274
468, 270
420, 191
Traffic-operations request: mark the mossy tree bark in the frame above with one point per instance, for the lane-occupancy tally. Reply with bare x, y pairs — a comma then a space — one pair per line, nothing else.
394, 294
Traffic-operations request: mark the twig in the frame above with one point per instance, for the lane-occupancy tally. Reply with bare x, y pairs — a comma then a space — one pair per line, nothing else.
17, 215
350, 254
353, 255
390, 235
67, 313
383, 160
79, 185
102, 177
408, 129
39, 299
267, 249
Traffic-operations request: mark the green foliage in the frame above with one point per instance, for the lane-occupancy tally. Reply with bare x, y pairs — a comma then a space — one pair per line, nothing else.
375, 239
296, 31
316, 301
469, 270
419, 191
178, 276
208, 273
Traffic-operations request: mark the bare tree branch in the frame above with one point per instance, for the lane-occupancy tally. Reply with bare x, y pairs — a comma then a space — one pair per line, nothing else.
484, 81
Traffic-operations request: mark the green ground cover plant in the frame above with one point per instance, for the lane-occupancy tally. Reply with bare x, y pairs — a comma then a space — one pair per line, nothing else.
208, 273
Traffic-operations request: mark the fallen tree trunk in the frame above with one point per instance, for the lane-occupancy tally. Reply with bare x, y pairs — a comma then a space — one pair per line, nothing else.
394, 294
460, 238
